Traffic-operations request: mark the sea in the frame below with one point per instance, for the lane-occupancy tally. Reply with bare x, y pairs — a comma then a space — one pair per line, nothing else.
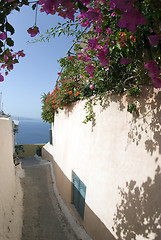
32, 131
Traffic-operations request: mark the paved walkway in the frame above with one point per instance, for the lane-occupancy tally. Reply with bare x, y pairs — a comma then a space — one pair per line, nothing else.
43, 219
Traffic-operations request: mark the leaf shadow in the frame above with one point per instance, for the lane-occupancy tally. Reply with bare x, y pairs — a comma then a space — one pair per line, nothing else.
139, 213
148, 123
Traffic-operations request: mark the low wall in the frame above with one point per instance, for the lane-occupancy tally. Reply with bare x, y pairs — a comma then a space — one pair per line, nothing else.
28, 150
11, 218
118, 158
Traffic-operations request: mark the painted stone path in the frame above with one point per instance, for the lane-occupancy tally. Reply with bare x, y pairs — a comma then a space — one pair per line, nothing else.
43, 219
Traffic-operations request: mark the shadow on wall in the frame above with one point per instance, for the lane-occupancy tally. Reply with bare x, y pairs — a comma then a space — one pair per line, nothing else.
139, 214
147, 119
69, 108
92, 224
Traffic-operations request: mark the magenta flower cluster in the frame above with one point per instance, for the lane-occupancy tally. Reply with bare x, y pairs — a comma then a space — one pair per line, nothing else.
64, 8
3, 36
100, 44
130, 19
33, 31
10, 59
154, 40
90, 69
153, 73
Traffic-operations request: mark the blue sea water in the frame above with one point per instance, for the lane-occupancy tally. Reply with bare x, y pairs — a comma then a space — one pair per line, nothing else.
32, 131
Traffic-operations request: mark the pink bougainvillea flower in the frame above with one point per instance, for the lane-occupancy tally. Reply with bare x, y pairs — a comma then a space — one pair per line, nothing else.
86, 24
10, 66
109, 31
151, 65
153, 74
93, 43
84, 21
3, 66
85, 2
112, 5
123, 5
52, 6
90, 68
5, 58
126, 60
67, 14
83, 57
80, 56
33, 31
67, 4
131, 19
59, 73
113, 14
70, 14
92, 14
21, 54
153, 69
98, 29
91, 86
3, 35
153, 39
81, 16
49, 6
157, 82
103, 59
1, 77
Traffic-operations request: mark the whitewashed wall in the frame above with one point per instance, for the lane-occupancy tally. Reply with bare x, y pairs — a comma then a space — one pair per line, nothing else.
121, 150
10, 213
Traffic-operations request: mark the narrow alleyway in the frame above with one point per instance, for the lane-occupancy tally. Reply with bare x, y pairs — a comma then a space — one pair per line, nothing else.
43, 219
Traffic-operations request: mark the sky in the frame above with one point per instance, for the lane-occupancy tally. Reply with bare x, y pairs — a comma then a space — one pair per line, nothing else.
36, 73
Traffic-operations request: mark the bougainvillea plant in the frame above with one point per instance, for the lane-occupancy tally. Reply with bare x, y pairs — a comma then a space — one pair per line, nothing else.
7, 57
119, 50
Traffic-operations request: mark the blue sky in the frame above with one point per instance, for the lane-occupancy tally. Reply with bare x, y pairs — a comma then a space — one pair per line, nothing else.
36, 73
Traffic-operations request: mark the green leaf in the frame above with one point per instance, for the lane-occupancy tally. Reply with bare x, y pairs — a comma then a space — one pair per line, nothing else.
1, 44
15, 61
118, 45
1, 57
17, 9
34, 6
118, 11
2, 16
81, 6
25, 2
10, 42
9, 28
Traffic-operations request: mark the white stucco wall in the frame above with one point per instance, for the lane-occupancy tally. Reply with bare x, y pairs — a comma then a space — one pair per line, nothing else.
10, 217
119, 149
